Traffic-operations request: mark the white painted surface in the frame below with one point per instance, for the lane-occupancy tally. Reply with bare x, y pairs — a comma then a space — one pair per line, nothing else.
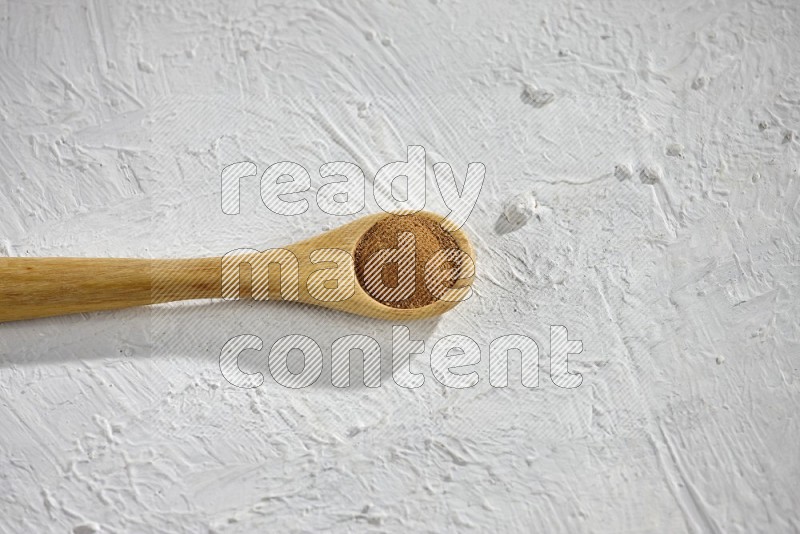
664, 160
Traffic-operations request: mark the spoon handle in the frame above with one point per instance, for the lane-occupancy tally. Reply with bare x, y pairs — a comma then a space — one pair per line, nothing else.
42, 287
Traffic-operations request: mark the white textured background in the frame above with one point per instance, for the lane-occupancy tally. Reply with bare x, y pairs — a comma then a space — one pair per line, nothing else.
117, 118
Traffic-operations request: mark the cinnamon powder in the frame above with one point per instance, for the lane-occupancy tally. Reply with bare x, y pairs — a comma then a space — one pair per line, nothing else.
429, 238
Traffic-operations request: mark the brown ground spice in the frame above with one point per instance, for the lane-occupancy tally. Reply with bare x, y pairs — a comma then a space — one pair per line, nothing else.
430, 237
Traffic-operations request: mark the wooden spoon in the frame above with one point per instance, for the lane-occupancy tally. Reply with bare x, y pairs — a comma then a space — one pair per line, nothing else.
43, 287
